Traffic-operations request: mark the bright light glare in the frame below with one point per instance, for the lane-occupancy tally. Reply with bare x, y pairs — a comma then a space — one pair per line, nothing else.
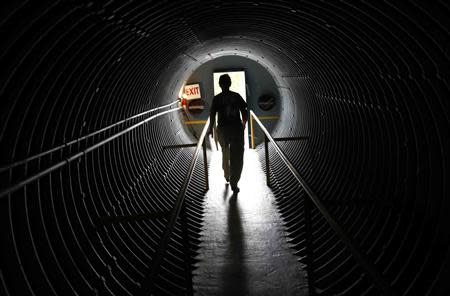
237, 83
181, 93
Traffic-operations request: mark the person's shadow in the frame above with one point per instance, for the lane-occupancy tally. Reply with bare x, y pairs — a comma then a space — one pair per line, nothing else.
234, 274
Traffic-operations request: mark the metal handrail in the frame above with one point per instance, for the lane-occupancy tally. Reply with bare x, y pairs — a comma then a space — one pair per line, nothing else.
67, 144
68, 160
357, 254
175, 212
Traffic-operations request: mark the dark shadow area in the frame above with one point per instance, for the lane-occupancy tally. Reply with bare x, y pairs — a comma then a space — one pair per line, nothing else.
234, 274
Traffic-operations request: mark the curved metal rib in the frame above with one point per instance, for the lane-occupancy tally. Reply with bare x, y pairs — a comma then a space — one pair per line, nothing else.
62, 163
23, 161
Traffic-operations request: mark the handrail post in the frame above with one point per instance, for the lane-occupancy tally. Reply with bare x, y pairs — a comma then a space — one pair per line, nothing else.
205, 165
252, 132
266, 151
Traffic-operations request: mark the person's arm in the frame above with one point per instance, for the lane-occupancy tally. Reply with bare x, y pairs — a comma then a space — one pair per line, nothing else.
244, 112
244, 117
212, 117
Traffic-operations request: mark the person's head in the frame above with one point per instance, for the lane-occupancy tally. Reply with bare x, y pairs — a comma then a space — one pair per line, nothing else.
225, 82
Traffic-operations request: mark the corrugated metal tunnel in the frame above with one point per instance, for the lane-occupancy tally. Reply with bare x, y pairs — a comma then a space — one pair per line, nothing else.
368, 83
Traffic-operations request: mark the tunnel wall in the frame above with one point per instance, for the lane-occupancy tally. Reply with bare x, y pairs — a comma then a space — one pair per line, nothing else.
67, 71
378, 127
367, 82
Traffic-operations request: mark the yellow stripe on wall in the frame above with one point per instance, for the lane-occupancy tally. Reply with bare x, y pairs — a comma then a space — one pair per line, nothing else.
195, 122
268, 117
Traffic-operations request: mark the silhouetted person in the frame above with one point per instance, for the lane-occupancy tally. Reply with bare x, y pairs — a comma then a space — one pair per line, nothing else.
230, 130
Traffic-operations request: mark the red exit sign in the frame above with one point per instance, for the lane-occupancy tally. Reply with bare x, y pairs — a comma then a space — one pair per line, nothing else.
192, 91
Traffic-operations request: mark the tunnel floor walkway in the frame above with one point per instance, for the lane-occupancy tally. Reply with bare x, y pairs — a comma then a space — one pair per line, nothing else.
244, 250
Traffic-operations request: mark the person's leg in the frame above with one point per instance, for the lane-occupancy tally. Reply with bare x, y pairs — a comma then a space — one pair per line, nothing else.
226, 161
236, 157
225, 146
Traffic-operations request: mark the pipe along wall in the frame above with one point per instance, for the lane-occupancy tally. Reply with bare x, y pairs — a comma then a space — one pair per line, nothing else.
367, 82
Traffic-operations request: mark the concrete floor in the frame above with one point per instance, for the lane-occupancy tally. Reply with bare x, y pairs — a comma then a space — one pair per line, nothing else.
244, 251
